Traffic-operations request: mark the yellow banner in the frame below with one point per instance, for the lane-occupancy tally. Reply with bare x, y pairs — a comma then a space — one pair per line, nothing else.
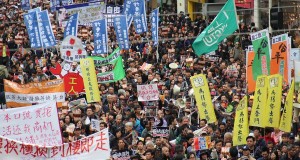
90, 81
260, 102
286, 117
274, 101
203, 98
241, 127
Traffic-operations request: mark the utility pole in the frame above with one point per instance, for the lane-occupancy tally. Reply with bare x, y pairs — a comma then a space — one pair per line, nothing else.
257, 14
270, 6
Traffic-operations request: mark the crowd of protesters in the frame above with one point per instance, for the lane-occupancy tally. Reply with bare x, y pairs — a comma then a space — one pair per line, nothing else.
130, 123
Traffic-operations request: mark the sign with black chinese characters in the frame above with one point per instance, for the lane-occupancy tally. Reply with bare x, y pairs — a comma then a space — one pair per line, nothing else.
160, 132
72, 50
241, 127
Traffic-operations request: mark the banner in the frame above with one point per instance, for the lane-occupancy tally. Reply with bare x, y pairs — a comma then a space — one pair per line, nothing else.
90, 80
202, 143
100, 36
154, 26
88, 12
112, 58
73, 83
25, 4
287, 114
274, 101
245, 3
96, 145
241, 127
221, 27
72, 50
260, 102
114, 73
128, 11
148, 92
249, 61
160, 132
139, 16
297, 83
71, 27
45, 29
280, 55
37, 124
262, 50
30, 20
120, 25
203, 98
294, 56
25, 94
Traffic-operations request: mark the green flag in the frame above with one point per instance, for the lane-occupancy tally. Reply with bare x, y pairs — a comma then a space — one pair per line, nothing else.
261, 47
116, 74
101, 61
222, 26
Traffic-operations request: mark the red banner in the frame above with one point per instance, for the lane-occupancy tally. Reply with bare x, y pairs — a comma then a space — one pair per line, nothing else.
244, 3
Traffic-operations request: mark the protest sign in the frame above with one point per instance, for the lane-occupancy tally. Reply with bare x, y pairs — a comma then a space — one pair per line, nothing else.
95, 124
249, 61
17, 95
272, 113
100, 61
241, 127
100, 36
287, 114
30, 20
120, 25
280, 55
262, 50
90, 81
114, 72
202, 143
71, 27
148, 92
294, 56
73, 83
260, 102
37, 124
121, 155
203, 98
72, 50
160, 132
96, 145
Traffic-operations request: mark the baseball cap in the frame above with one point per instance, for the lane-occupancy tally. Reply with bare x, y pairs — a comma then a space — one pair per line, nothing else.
245, 148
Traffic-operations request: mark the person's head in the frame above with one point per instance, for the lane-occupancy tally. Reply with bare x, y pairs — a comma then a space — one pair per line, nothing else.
118, 133
128, 127
190, 138
191, 156
219, 145
246, 150
291, 150
67, 119
103, 125
132, 118
140, 145
203, 123
158, 141
121, 144
250, 141
77, 131
185, 120
274, 155
150, 145
264, 153
256, 133
119, 119
166, 151
285, 138
227, 137
204, 154
149, 155
89, 111
233, 152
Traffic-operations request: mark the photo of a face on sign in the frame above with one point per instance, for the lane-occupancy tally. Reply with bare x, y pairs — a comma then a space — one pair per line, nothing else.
273, 82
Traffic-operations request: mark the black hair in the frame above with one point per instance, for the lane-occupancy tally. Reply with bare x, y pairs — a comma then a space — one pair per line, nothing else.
250, 137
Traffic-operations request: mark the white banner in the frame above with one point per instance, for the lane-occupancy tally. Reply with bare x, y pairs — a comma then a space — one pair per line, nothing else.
148, 92
294, 56
36, 124
95, 146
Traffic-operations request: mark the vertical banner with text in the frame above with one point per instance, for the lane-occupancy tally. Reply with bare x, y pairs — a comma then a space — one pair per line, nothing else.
260, 102
203, 98
100, 36
154, 25
90, 80
120, 25
287, 114
139, 17
262, 50
71, 27
45, 29
31, 22
272, 116
249, 62
241, 127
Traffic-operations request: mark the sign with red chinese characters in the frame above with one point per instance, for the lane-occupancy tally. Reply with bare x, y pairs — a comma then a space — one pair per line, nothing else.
244, 3
37, 124
148, 92
91, 147
73, 83
72, 50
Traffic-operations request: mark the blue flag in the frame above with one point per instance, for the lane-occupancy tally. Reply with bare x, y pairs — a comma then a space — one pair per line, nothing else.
139, 18
121, 31
100, 36
30, 20
25, 5
45, 28
53, 5
71, 27
154, 26
128, 11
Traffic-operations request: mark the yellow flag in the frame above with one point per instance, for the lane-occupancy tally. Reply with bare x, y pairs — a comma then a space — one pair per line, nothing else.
286, 117
203, 98
271, 119
90, 81
260, 102
241, 127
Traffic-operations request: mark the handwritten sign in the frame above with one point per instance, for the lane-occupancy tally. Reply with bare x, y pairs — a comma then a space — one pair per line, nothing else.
160, 132
148, 92
202, 143
96, 145
36, 124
